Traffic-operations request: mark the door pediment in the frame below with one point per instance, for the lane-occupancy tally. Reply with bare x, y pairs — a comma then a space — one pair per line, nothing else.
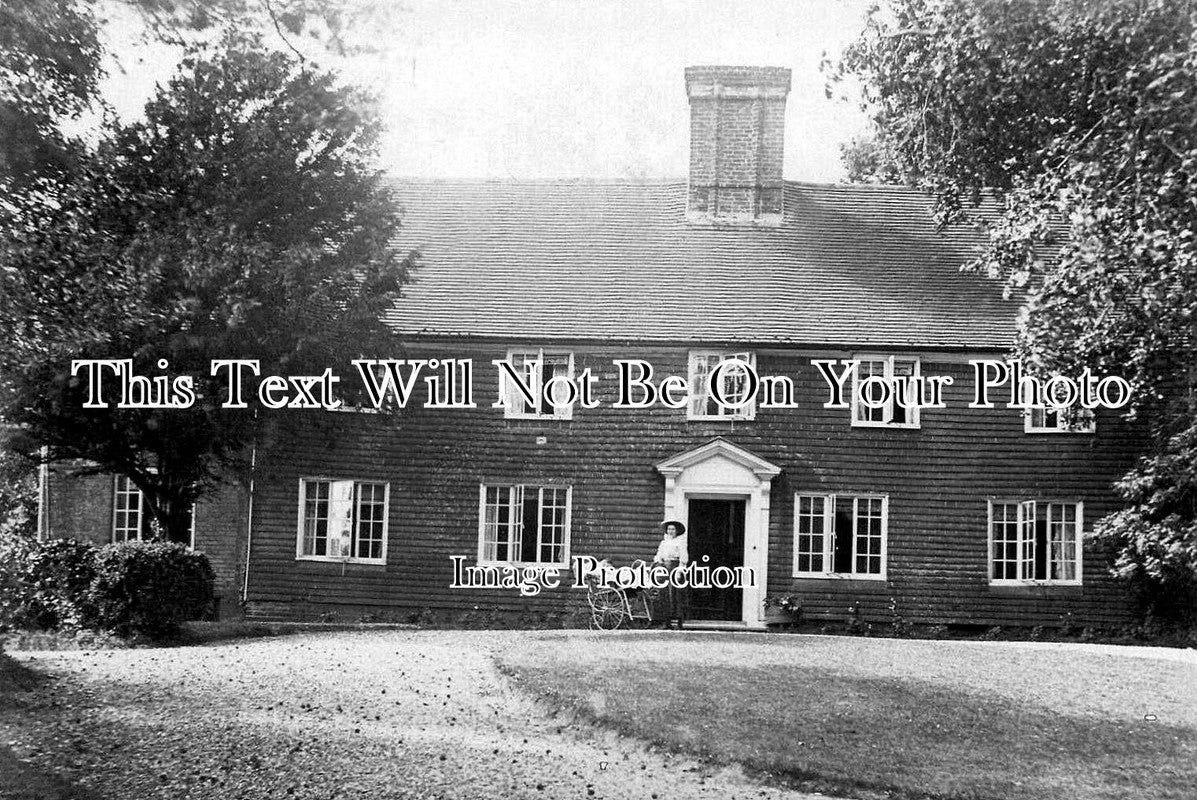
719, 462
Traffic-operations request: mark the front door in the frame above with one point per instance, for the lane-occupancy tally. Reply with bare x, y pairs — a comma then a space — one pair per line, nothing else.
716, 530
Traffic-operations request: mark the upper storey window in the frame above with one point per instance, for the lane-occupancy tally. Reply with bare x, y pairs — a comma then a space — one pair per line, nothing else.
718, 375
891, 403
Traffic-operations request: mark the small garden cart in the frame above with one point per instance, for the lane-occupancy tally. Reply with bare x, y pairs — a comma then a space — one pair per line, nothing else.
612, 607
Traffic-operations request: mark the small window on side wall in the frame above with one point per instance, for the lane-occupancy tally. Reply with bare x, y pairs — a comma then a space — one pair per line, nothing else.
131, 518
1062, 420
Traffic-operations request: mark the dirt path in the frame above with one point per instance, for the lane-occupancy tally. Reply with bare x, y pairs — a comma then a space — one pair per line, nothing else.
388, 714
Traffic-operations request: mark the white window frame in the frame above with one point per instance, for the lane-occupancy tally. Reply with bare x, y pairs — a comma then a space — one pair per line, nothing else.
124, 487
1028, 513
699, 394
356, 506
121, 533
1067, 420
512, 397
860, 411
515, 528
388, 402
828, 535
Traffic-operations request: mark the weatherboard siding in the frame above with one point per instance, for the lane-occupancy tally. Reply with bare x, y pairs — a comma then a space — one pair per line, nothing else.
938, 479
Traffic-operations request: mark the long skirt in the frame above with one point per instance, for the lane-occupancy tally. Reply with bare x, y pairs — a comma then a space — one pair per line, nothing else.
671, 602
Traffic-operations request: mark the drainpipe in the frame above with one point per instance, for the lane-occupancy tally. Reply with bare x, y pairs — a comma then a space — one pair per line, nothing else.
249, 521
43, 496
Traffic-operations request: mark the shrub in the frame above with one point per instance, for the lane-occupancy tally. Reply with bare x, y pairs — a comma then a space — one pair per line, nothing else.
898, 624
44, 585
854, 623
149, 587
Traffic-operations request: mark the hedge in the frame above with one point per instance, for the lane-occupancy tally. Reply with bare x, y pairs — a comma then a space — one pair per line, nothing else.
145, 588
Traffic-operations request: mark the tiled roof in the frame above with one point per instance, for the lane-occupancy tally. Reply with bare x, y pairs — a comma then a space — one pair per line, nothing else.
852, 266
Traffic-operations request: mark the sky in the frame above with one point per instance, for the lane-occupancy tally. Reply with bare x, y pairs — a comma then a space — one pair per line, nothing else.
563, 89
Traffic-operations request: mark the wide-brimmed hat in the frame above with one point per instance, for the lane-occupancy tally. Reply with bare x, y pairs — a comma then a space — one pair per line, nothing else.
667, 522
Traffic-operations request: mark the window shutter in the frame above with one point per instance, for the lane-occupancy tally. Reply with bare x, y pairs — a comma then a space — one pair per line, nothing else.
340, 519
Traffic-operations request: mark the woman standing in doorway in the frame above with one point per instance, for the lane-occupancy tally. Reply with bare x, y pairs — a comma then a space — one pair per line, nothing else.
671, 553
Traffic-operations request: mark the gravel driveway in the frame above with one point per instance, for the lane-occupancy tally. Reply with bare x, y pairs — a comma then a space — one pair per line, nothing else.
378, 714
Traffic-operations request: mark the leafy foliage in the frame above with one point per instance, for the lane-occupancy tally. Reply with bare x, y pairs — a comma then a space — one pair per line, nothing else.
1156, 535
18, 494
149, 588
44, 585
240, 219
1082, 119
127, 588
52, 58
1082, 116
49, 70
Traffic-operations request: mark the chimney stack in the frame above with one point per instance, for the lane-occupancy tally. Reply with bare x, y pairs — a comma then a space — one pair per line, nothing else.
737, 135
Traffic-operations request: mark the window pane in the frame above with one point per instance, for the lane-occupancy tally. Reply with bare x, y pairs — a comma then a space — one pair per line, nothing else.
340, 518
315, 518
1026, 532
1004, 530
127, 520
701, 403
842, 543
811, 534
733, 384
496, 536
531, 372
371, 514
901, 403
552, 525
868, 535
555, 365
1062, 541
1039, 553
530, 533
866, 369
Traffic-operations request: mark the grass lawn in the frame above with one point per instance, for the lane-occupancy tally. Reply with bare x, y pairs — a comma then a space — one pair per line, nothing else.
884, 716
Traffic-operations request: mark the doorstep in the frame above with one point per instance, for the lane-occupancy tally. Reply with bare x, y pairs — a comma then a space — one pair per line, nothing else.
721, 625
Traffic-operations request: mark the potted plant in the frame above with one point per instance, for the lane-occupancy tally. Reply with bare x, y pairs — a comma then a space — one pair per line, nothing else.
782, 609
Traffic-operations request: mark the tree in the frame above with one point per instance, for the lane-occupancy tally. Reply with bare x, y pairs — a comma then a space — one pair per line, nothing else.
240, 219
1081, 118
52, 58
49, 70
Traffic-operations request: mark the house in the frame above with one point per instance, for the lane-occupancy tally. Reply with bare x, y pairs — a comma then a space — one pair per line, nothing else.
944, 515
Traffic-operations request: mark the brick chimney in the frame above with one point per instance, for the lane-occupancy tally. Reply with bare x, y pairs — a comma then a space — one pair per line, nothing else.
737, 134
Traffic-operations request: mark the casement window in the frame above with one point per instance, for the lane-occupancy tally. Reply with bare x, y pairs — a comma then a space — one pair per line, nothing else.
131, 517
524, 523
840, 535
1064, 420
342, 520
898, 409
1036, 542
733, 385
537, 368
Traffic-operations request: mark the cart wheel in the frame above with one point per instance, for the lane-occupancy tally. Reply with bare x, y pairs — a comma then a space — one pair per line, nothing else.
607, 610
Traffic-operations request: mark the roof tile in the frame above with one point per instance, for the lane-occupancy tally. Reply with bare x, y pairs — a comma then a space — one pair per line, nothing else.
857, 266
